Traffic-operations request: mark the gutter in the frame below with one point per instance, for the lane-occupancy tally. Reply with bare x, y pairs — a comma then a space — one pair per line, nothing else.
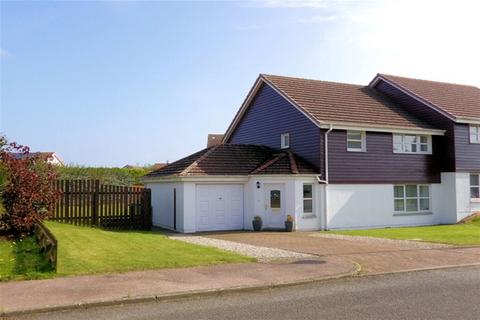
325, 182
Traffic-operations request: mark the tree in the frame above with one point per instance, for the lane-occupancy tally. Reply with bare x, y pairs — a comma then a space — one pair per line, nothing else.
29, 193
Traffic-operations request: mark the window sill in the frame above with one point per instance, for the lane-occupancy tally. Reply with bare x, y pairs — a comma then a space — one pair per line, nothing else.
403, 214
475, 200
309, 216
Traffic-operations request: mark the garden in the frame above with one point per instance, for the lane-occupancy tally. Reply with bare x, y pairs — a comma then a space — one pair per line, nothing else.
31, 247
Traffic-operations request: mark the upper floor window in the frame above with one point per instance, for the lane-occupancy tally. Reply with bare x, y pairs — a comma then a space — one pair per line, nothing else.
475, 186
475, 133
285, 140
356, 141
411, 143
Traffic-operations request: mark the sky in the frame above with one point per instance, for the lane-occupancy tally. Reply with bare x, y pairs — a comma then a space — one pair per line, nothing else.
139, 82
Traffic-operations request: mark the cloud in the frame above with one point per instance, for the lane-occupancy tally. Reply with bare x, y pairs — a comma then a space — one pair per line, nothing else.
316, 19
4, 53
290, 3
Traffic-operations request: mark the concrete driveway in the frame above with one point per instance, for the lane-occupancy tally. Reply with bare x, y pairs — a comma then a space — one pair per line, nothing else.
374, 255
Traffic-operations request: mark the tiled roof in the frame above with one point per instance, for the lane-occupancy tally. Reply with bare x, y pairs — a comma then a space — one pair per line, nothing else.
236, 160
459, 101
328, 102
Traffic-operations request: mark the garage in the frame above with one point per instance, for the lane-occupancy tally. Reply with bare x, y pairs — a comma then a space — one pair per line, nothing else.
219, 207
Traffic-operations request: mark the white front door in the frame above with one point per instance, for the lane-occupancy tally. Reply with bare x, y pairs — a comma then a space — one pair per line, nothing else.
274, 205
219, 207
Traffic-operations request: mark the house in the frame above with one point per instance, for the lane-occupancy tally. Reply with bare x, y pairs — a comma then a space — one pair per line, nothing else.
51, 157
214, 139
396, 152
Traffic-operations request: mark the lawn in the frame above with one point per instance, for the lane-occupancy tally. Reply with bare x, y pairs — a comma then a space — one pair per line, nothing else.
83, 250
22, 260
457, 234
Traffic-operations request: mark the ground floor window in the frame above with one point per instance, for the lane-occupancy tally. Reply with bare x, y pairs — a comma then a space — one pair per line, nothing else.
411, 198
308, 199
475, 186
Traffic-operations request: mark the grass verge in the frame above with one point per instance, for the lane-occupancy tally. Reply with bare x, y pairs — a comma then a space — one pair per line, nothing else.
457, 234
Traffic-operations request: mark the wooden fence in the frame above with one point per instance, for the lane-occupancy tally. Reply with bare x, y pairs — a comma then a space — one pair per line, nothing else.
47, 241
91, 203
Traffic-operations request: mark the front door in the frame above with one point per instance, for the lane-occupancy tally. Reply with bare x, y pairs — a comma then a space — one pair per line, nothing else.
275, 205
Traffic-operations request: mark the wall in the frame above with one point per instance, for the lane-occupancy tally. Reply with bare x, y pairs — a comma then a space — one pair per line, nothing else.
379, 164
270, 115
353, 206
445, 145
255, 200
467, 154
162, 204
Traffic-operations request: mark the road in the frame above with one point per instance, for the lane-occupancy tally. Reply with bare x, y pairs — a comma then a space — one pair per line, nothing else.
438, 294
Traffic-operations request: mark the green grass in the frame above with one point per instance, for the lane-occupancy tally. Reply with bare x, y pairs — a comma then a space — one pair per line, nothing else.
457, 234
83, 250
22, 259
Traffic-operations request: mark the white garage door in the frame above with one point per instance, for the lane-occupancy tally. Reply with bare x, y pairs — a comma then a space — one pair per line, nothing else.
219, 207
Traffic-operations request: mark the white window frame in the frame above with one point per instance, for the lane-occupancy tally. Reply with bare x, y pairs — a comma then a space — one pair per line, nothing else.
362, 140
285, 140
474, 133
417, 198
417, 137
472, 186
308, 214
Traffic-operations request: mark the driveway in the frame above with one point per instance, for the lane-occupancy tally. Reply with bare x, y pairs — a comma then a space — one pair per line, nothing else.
374, 256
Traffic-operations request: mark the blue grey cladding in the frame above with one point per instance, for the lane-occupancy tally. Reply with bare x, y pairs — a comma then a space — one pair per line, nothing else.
270, 115
467, 155
378, 164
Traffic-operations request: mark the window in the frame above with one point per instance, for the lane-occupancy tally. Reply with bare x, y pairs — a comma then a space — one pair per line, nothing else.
275, 198
410, 143
411, 198
308, 199
285, 140
475, 186
356, 141
474, 133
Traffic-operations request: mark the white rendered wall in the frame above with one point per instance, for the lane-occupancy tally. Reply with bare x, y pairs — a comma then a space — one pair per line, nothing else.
370, 206
293, 196
162, 204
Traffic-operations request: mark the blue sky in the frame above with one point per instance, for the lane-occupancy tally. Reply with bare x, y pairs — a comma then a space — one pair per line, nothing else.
115, 83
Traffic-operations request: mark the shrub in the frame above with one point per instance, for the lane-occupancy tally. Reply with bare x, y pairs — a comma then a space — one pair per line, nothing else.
29, 193
114, 176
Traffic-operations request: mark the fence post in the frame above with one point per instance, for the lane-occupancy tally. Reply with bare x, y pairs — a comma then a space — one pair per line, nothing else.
95, 202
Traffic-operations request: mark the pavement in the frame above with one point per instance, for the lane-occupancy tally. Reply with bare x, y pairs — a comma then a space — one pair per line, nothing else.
438, 294
331, 258
69, 292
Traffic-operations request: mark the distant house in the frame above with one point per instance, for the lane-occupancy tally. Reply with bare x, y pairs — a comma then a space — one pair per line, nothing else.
214, 139
395, 152
50, 157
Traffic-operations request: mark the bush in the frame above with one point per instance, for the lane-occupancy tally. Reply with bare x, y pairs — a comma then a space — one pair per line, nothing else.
28, 194
114, 176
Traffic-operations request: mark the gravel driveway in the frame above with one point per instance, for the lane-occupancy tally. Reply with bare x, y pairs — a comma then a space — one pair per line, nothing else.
263, 254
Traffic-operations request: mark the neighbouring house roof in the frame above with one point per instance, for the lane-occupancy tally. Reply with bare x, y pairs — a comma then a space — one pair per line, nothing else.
236, 160
214, 139
457, 100
51, 157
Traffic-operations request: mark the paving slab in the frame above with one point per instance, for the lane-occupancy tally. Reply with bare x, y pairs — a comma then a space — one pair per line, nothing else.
373, 255
68, 292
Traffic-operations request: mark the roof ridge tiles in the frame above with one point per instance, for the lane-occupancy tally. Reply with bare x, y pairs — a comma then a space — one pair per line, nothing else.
196, 162
268, 163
